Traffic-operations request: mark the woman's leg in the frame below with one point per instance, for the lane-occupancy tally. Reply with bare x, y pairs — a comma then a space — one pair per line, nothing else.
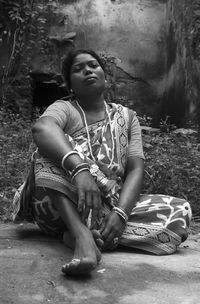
86, 253
158, 224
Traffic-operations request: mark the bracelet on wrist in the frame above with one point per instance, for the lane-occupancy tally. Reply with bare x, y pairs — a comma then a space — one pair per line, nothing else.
66, 156
78, 167
121, 213
79, 171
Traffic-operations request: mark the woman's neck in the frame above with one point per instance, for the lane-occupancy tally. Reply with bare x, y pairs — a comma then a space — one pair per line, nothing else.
92, 103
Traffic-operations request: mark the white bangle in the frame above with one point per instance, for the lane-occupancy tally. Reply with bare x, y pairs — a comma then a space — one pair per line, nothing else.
79, 171
121, 213
66, 156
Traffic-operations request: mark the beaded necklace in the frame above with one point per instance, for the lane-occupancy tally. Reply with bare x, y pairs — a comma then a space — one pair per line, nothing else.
88, 134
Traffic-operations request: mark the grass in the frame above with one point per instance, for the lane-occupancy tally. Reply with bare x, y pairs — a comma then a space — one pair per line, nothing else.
172, 162
173, 167
15, 151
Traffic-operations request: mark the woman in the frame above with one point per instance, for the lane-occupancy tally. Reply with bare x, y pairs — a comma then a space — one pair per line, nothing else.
89, 172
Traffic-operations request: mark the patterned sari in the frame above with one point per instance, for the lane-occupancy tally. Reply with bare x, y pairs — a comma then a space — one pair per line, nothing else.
158, 223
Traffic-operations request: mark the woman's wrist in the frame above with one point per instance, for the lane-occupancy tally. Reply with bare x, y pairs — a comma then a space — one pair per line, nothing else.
121, 212
66, 156
82, 175
70, 160
78, 169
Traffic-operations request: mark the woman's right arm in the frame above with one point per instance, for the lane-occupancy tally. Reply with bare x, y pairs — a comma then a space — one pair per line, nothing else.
53, 144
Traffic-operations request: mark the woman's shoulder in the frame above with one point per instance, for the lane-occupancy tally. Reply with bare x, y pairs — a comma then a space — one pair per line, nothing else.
60, 105
120, 106
130, 114
63, 102
63, 111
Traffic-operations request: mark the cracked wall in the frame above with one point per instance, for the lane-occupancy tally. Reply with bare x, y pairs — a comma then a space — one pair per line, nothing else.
147, 47
132, 33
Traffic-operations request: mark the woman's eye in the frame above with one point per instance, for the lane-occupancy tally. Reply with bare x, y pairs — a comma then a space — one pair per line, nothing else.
76, 69
79, 68
94, 65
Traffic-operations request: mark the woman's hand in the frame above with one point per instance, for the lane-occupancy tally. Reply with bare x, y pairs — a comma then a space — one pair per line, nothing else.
89, 196
112, 226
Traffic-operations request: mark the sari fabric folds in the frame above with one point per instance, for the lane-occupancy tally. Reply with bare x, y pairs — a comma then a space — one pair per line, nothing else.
157, 224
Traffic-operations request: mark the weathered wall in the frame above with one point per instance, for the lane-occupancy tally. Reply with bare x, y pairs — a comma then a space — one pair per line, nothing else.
129, 33
147, 47
181, 81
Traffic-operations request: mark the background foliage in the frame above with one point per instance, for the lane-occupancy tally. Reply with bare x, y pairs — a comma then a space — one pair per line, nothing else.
23, 24
172, 161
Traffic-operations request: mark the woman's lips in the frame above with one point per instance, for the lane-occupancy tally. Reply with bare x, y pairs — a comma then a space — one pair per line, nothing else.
90, 79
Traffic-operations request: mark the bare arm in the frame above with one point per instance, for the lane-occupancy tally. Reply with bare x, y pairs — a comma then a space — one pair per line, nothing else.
132, 185
113, 225
52, 143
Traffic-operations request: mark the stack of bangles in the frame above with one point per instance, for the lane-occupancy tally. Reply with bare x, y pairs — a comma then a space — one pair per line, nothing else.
78, 169
121, 213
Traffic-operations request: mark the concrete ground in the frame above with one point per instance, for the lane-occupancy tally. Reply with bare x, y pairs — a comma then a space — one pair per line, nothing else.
30, 273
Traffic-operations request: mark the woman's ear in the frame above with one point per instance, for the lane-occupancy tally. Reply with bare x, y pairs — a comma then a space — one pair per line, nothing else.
71, 92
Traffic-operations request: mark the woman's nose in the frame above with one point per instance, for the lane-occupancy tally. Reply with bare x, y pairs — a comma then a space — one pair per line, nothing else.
87, 70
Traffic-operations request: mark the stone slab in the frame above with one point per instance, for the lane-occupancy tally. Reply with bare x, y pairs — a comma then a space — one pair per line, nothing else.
31, 262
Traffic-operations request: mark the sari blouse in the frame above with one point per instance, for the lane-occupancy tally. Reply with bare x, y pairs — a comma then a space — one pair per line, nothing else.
70, 120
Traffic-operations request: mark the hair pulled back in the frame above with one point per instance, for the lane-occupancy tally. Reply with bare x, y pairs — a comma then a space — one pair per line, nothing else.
69, 60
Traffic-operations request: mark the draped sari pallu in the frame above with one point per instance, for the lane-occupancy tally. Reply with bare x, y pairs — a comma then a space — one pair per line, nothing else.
157, 224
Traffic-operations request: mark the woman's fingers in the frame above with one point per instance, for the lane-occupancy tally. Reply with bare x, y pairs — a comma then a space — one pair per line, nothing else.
88, 206
96, 208
109, 240
89, 197
81, 201
91, 200
100, 214
112, 227
103, 225
105, 232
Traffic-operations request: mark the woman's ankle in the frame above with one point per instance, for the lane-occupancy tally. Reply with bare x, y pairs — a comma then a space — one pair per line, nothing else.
80, 232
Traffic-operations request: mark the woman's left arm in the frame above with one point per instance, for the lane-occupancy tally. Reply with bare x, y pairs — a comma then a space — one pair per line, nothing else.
114, 225
133, 183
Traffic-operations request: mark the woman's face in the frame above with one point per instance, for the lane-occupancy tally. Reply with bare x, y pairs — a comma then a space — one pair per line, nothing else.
87, 76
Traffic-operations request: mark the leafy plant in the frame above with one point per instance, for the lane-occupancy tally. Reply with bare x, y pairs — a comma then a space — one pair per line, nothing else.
166, 125
15, 150
23, 25
172, 164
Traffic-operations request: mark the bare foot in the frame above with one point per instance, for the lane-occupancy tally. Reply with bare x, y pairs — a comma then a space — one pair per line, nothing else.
68, 240
98, 239
86, 255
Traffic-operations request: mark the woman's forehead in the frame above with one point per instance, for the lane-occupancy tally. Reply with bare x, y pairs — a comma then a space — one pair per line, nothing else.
81, 58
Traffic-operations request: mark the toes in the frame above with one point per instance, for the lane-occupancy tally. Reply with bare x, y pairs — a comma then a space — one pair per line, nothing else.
97, 237
96, 234
77, 266
99, 243
73, 264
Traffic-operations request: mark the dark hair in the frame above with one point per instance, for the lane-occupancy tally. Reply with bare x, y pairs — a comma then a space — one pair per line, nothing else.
69, 59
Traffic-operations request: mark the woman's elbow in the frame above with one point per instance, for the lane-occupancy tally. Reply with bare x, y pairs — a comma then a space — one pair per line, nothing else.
41, 127
37, 128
